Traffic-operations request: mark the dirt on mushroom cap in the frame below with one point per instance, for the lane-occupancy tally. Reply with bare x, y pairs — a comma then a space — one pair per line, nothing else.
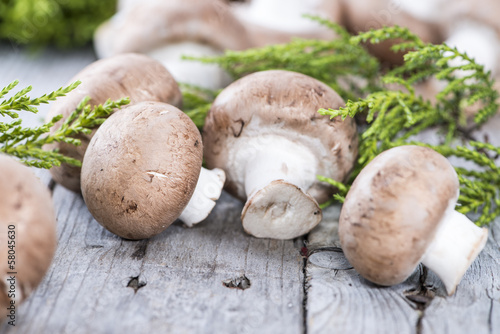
141, 169
129, 75
392, 211
26, 204
287, 101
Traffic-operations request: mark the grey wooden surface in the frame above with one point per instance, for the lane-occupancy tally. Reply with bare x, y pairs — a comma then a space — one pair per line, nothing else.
180, 281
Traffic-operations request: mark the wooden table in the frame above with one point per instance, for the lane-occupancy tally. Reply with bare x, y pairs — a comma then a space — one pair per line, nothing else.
214, 278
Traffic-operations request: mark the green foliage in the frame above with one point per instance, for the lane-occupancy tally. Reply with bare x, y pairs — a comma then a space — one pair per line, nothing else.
56, 22
395, 116
197, 102
26, 143
340, 63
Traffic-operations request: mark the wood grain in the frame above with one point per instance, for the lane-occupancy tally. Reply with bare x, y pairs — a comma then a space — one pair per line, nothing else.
172, 283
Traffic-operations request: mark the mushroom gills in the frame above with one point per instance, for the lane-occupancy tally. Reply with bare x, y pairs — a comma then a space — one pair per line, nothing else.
456, 244
207, 191
209, 76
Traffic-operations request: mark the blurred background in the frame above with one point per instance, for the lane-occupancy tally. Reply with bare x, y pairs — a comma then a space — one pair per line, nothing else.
44, 43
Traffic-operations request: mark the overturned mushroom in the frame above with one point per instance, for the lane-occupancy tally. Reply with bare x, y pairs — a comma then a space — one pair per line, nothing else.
129, 75
141, 169
400, 212
28, 238
265, 132
167, 30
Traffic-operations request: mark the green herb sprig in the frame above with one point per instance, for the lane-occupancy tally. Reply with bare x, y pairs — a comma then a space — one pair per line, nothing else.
396, 116
340, 63
26, 143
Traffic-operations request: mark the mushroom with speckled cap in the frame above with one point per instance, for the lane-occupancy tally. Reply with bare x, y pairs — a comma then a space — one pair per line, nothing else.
141, 172
136, 76
400, 211
265, 132
168, 30
28, 238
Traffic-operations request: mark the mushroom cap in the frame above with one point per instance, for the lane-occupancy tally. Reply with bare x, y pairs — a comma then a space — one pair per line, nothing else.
27, 204
136, 76
151, 24
393, 209
363, 15
141, 169
280, 103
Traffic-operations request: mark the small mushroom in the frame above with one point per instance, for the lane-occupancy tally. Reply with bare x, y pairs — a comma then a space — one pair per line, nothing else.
129, 75
277, 21
141, 169
400, 212
167, 30
28, 235
265, 133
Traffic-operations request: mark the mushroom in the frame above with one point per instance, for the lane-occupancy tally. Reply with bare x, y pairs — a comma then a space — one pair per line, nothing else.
141, 169
129, 75
363, 15
400, 212
28, 237
277, 21
265, 133
167, 30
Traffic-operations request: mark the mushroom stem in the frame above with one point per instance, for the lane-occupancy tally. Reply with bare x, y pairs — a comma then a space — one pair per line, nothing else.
456, 244
275, 182
207, 191
209, 76
281, 160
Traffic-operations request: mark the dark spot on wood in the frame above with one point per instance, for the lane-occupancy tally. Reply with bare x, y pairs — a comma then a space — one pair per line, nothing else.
132, 208
94, 246
196, 143
238, 128
241, 283
140, 250
135, 283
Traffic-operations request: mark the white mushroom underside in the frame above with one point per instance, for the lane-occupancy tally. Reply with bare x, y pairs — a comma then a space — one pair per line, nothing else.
207, 192
274, 173
456, 244
284, 15
209, 76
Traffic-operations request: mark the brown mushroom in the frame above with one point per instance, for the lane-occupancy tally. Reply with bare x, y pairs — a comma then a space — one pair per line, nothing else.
129, 75
28, 237
265, 133
167, 30
363, 15
400, 212
141, 169
278, 21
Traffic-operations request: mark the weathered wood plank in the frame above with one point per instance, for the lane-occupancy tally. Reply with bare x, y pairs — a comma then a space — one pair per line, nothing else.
173, 282
339, 300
